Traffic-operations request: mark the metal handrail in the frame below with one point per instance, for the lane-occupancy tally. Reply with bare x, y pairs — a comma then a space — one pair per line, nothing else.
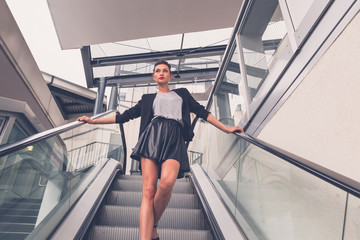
12, 147
347, 184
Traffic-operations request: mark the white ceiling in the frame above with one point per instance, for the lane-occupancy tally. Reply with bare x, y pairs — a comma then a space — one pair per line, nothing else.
87, 22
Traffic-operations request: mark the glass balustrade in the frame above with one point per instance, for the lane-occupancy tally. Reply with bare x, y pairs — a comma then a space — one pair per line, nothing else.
269, 197
43, 180
352, 221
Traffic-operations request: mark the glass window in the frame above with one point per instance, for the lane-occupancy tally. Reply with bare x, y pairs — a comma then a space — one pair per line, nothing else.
2, 124
229, 100
16, 134
260, 37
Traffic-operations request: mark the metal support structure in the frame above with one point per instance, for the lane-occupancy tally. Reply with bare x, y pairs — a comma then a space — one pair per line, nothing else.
154, 56
243, 86
223, 102
136, 79
100, 96
154, 84
180, 59
86, 58
113, 98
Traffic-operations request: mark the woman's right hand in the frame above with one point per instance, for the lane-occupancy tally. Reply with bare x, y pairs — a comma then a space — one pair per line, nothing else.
85, 119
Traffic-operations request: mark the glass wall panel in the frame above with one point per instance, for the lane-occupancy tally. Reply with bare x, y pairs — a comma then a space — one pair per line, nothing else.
43, 180
229, 100
352, 224
260, 37
281, 201
219, 153
229, 186
2, 123
16, 133
269, 197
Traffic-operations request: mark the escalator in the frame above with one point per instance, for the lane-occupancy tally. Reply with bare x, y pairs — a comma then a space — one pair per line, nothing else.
118, 216
18, 217
69, 183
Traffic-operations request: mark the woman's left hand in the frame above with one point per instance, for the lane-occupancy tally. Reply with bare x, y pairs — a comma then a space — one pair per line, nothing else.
235, 129
211, 119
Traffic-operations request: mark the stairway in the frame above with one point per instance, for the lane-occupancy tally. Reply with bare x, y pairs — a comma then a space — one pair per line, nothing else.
118, 217
18, 218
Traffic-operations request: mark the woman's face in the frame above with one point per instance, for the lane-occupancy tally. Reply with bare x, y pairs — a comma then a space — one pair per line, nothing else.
162, 74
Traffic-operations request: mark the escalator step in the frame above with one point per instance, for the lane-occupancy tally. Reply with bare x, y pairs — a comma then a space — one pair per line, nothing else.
17, 212
126, 233
136, 186
17, 227
20, 205
17, 219
24, 200
171, 218
139, 178
13, 236
178, 200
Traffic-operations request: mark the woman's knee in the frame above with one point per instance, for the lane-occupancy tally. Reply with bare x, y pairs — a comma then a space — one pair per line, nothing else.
149, 192
166, 185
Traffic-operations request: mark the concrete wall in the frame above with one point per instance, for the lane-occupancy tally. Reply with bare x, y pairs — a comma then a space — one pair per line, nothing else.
320, 120
20, 76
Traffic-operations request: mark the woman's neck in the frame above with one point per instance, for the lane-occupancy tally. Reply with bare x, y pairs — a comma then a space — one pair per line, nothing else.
163, 89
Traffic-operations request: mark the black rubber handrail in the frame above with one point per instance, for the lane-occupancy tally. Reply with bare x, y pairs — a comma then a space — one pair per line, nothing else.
12, 147
347, 184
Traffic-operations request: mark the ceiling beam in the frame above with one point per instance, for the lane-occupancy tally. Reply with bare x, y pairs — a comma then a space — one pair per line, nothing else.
152, 57
146, 79
170, 84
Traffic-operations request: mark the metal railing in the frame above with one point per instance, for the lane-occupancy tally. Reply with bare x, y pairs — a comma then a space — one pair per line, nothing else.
12, 147
56, 166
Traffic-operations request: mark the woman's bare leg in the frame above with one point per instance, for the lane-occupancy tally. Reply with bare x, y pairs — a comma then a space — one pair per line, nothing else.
169, 172
149, 171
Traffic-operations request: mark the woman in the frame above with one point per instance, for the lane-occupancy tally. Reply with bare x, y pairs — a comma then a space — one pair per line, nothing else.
164, 128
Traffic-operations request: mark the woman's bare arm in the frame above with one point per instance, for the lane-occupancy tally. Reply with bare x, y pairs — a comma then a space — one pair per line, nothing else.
97, 121
211, 119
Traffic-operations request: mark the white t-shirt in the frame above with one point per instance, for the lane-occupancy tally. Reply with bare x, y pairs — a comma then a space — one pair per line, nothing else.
168, 105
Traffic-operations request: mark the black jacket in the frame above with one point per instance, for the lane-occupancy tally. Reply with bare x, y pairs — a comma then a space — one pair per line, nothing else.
144, 109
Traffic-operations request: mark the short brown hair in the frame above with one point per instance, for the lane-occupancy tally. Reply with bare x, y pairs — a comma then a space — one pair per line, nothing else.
162, 61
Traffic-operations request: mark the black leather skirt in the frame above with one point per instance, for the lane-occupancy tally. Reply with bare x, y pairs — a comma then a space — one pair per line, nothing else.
161, 140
